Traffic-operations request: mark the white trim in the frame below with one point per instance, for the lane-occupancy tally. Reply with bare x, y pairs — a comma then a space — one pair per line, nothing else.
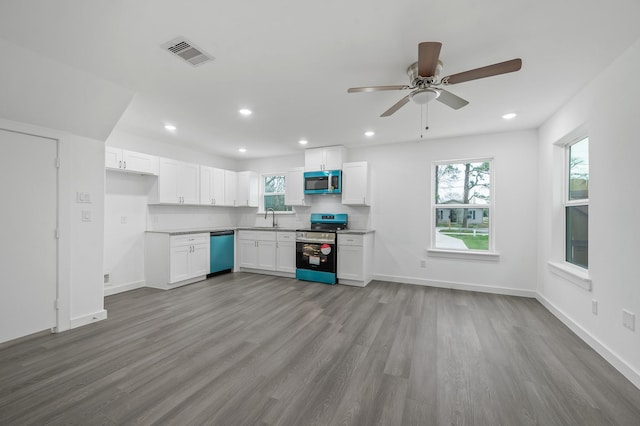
490, 256
457, 286
120, 288
612, 358
571, 273
88, 319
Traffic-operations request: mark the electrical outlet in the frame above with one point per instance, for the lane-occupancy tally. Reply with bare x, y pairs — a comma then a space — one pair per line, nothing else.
86, 215
629, 320
594, 307
423, 263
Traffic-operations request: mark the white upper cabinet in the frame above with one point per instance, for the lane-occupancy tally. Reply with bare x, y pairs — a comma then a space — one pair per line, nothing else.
356, 186
130, 161
327, 158
247, 189
230, 188
211, 186
294, 187
178, 183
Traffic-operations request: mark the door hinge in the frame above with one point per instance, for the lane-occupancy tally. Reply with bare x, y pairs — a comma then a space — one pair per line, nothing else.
56, 234
56, 305
57, 163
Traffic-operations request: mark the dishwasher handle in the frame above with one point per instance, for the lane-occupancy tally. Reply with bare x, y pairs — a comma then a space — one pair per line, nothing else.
220, 233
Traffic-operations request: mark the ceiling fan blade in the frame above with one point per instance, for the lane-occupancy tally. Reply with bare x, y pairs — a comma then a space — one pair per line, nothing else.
451, 100
402, 102
488, 71
376, 88
428, 54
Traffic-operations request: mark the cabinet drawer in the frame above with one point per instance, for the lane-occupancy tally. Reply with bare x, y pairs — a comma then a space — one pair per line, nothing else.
189, 239
257, 235
350, 240
286, 236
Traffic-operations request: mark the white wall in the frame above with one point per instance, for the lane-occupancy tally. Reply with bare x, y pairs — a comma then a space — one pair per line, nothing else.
80, 287
402, 217
610, 115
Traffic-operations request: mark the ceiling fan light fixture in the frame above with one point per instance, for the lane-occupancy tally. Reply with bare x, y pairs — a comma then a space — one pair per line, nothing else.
424, 96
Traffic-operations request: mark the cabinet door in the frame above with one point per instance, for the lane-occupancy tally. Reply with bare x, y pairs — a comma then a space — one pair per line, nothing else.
199, 260
313, 159
179, 269
229, 188
355, 185
189, 183
206, 180
286, 256
333, 158
267, 255
294, 187
168, 181
217, 186
247, 189
350, 263
139, 162
247, 254
112, 158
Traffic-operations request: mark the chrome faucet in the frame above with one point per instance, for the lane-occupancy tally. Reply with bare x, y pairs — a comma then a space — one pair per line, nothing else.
266, 212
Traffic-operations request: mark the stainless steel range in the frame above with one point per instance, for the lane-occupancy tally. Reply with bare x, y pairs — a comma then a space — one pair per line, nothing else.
316, 258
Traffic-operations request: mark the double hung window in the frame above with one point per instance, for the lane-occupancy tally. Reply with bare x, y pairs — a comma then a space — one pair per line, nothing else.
273, 187
576, 203
462, 205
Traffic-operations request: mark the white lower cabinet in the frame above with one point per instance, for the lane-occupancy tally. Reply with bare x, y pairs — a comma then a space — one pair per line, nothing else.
286, 252
273, 251
257, 250
175, 260
355, 257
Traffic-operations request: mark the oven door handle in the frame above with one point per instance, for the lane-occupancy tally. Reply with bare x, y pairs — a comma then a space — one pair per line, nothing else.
311, 241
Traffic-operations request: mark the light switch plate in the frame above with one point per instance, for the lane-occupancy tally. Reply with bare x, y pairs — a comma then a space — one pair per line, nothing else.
83, 197
86, 215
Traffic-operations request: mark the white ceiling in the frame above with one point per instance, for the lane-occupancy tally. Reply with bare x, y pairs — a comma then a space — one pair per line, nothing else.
291, 62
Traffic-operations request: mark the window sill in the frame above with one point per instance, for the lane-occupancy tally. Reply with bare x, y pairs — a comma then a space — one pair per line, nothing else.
574, 274
261, 213
464, 255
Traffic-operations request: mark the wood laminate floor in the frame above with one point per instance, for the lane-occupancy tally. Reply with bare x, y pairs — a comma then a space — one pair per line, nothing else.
251, 349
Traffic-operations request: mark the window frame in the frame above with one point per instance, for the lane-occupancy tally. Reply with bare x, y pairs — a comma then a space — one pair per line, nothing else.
567, 202
491, 253
261, 206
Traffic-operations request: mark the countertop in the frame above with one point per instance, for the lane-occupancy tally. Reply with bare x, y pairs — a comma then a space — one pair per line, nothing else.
248, 228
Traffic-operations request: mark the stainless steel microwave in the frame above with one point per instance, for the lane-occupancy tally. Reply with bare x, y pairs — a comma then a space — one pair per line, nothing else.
325, 182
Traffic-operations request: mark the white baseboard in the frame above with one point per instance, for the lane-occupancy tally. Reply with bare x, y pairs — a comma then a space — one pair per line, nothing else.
611, 357
458, 286
88, 319
115, 289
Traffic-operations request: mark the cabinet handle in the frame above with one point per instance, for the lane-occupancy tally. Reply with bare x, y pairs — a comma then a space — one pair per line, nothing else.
125, 165
120, 164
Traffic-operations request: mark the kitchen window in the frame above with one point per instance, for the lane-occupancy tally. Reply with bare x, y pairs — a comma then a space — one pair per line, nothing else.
576, 203
462, 206
273, 186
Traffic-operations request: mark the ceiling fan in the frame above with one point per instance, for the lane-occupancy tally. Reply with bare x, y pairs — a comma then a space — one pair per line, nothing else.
425, 81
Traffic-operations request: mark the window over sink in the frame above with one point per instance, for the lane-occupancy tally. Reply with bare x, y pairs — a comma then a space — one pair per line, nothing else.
272, 188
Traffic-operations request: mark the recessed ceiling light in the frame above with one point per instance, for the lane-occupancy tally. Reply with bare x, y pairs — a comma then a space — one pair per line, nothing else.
242, 149
369, 133
509, 116
245, 111
303, 142
170, 127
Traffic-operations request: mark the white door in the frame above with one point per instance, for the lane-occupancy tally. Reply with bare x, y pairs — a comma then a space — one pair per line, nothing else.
286, 256
179, 264
199, 260
28, 248
267, 255
168, 181
247, 254
189, 183
350, 266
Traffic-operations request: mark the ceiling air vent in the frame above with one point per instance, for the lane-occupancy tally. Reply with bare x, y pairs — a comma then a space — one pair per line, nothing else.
187, 51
